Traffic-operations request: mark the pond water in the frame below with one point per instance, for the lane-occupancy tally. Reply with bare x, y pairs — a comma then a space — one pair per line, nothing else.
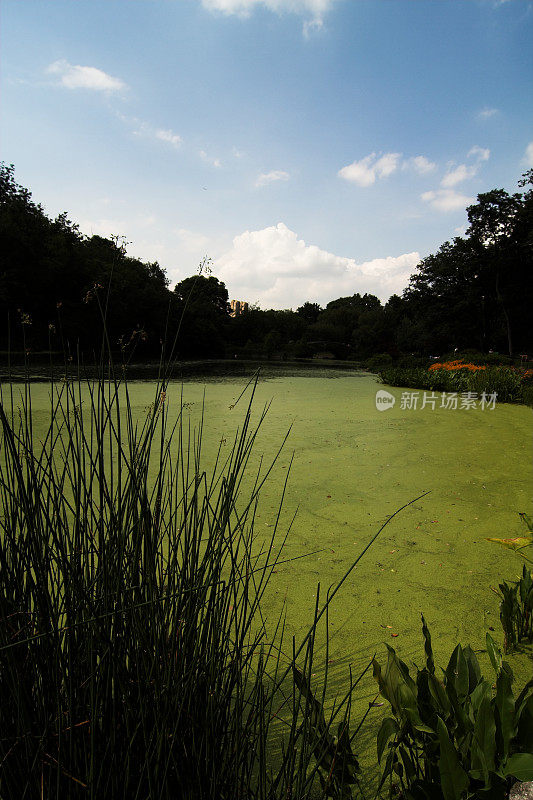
353, 466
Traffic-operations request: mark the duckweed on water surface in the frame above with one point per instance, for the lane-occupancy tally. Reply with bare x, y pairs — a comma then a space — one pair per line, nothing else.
354, 466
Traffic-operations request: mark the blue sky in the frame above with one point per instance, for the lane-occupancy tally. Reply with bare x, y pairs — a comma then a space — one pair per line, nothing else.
311, 148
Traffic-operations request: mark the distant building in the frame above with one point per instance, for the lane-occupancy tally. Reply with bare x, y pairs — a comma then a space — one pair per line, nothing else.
238, 307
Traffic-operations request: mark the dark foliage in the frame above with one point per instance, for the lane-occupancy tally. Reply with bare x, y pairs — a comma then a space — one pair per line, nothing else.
475, 292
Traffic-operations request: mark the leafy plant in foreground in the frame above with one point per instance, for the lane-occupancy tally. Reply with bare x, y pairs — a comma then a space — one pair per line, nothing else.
453, 737
516, 610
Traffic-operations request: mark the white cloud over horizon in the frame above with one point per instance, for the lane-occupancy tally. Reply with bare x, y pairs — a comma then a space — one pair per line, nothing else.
274, 267
75, 76
375, 166
365, 171
487, 113
447, 199
316, 8
480, 153
420, 164
528, 155
457, 175
166, 135
271, 177
462, 172
207, 159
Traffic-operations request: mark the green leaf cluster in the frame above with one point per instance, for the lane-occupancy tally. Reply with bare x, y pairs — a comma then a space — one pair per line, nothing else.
455, 735
516, 610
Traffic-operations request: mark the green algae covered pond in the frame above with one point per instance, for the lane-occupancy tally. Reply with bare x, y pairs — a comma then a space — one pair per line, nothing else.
352, 467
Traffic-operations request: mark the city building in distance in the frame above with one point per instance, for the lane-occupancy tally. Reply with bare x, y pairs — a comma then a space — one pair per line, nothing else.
238, 307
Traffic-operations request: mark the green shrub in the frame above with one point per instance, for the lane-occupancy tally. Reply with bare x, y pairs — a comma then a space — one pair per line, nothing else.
516, 610
507, 383
375, 363
452, 737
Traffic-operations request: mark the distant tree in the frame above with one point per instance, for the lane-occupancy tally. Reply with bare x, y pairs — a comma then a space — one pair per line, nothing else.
203, 313
309, 312
56, 276
201, 291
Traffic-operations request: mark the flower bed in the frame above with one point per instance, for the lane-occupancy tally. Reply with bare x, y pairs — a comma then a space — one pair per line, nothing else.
511, 384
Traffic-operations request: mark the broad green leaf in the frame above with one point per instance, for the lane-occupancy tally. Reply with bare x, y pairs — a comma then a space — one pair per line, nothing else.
438, 692
520, 766
454, 780
457, 673
430, 664
389, 727
485, 737
525, 725
474, 671
505, 716
462, 719
494, 653
481, 690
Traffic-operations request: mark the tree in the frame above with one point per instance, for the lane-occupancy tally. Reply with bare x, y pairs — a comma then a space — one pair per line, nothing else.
309, 312
203, 292
493, 221
203, 313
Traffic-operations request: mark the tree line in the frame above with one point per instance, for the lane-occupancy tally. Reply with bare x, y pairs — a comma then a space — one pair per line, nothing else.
474, 293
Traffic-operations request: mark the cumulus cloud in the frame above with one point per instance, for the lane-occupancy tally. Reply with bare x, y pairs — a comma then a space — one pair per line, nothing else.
192, 241
528, 156
365, 171
420, 164
169, 136
271, 177
447, 200
479, 153
276, 268
74, 76
316, 8
457, 175
462, 172
213, 162
487, 113
144, 130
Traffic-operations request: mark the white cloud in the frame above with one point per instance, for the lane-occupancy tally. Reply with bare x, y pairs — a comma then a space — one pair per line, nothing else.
103, 227
365, 171
271, 177
144, 130
74, 76
447, 200
279, 270
480, 153
214, 162
192, 241
317, 8
487, 113
168, 136
457, 175
420, 164
462, 172
528, 156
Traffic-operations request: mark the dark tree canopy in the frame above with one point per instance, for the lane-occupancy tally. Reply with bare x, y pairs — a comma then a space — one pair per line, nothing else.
474, 292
